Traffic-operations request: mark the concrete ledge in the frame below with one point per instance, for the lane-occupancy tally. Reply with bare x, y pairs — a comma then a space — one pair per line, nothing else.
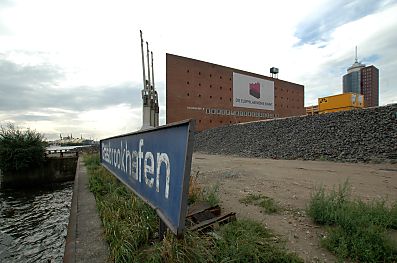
53, 170
85, 239
70, 245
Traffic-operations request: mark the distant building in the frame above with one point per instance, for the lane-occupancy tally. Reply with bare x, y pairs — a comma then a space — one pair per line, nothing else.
370, 86
216, 95
311, 110
363, 80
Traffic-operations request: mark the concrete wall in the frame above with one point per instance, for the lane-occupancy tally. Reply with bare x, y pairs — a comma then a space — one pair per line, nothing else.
194, 86
357, 135
54, 170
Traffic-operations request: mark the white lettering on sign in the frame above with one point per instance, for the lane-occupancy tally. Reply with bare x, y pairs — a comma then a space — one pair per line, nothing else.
134, 162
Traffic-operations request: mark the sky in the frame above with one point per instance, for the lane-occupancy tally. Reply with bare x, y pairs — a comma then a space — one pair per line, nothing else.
74, 66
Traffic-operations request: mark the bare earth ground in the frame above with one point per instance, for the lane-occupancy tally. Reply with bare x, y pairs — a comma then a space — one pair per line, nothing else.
290, 183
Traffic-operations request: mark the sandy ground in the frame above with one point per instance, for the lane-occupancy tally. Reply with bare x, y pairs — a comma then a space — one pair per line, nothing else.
290, 183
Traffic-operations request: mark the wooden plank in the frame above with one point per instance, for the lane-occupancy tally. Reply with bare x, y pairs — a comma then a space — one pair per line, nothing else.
222, 218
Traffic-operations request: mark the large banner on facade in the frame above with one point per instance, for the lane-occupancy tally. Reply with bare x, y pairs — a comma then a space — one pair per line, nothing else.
155, 165
251, 92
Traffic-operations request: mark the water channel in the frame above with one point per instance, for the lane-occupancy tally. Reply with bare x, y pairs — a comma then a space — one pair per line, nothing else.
33, 223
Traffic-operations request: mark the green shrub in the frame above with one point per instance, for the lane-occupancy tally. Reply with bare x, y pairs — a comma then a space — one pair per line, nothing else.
323, 208
249, 241
357, 230
211, 195
20, 150
393, 213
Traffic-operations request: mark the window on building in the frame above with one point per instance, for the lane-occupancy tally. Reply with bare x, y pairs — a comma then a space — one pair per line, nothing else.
210, 97
187, 83
188, 94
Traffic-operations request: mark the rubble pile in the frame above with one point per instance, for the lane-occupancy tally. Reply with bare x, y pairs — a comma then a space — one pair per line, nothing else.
353, 136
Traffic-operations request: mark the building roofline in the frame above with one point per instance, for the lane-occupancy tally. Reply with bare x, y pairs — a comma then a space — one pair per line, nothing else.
234, 69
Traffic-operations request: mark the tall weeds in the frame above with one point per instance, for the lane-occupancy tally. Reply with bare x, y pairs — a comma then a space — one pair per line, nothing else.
356, 230
131, 230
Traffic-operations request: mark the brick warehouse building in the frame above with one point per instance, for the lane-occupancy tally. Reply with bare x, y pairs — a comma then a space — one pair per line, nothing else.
215, 95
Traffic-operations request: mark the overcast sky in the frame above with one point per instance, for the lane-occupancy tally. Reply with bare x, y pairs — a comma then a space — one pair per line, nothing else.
74, 66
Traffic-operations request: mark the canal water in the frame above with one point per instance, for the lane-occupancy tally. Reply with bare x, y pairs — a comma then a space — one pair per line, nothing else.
33, 223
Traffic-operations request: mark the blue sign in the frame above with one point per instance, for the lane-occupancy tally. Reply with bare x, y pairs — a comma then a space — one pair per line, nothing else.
155, 165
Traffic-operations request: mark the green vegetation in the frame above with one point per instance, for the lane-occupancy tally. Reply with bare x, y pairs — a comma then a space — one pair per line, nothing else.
249, 241
211, 195
131, 230
20, 150
356, 230
267, 203
197, 193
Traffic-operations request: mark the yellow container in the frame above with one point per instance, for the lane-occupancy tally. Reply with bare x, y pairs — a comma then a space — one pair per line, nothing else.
340, 102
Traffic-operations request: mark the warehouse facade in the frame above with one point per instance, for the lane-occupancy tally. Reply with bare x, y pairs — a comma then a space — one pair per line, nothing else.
215, 95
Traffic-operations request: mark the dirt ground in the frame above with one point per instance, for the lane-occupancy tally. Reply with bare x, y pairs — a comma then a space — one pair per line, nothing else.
290, 184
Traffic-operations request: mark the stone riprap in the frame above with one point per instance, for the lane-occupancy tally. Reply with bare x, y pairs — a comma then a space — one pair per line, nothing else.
353, 136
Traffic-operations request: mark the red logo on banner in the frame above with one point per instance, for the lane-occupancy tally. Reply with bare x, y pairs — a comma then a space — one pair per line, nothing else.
255, 90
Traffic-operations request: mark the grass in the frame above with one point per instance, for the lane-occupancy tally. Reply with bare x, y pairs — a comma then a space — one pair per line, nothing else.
129, 223
206, 194
356, 230
131, 230
249, 241
267, 203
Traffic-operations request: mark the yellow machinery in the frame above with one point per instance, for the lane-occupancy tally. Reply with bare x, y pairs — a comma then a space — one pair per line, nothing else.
340, 102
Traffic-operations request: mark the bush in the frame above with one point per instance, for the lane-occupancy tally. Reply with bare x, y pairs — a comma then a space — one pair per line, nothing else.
357, 230
249, 241
20, 150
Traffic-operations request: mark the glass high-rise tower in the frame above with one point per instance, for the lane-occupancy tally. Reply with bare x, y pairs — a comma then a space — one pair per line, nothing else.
363, 80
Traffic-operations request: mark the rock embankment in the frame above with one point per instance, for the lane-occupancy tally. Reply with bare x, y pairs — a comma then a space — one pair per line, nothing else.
353, 136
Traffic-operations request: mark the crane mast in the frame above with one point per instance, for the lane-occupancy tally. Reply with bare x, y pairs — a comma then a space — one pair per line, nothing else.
150, 111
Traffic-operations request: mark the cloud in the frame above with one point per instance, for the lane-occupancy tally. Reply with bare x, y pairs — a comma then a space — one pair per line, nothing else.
37, 87
33, 96
318, 26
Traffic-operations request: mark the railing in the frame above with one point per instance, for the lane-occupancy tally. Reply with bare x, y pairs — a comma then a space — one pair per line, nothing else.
60, 153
